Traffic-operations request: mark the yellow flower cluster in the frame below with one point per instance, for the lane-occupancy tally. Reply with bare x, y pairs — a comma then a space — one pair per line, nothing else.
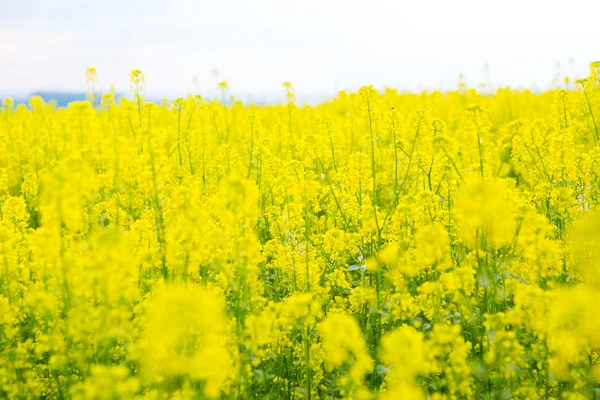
379, 245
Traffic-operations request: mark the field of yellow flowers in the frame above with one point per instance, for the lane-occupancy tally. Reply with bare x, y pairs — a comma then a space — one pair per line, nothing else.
379, 245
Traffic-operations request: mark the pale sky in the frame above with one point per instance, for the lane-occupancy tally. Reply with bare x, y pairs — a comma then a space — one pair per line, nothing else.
321, 46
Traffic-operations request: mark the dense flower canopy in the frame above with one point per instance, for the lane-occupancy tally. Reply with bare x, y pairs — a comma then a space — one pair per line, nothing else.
378, 245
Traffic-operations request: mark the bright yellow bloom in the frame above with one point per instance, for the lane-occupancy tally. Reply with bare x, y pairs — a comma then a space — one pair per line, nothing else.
380, 244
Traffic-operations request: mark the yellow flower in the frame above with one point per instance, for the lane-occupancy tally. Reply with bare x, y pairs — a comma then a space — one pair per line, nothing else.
185, 334
343, 343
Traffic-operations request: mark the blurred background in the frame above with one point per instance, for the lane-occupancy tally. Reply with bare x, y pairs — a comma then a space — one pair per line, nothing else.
321, 46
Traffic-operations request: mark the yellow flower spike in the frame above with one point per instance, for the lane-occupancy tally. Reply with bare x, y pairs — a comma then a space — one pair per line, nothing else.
91, 75
343, 343
136, 77
372, 264
8, 103
388, 256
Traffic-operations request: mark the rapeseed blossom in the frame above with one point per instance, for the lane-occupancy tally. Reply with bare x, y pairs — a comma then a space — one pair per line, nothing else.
440, 245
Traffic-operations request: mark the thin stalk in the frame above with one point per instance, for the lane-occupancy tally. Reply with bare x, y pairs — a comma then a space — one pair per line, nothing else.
337, 203
597, 137
307, 362
331, 145
139, 105
396, 192
374, 199
158, 216
251, 148
179, 134
306, 237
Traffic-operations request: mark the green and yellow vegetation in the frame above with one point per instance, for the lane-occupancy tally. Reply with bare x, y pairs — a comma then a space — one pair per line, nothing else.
441, 245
